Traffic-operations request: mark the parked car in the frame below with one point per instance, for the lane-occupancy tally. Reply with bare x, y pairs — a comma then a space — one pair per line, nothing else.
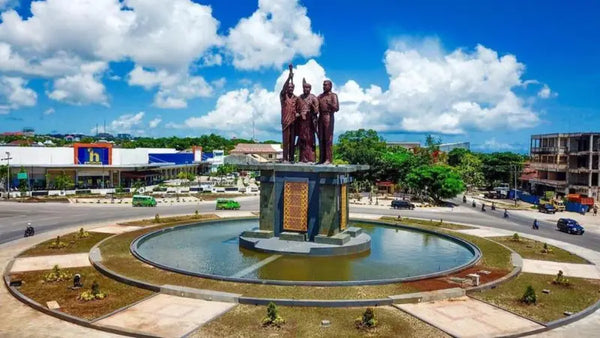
227, 204
547, 208
398, 204
570, 226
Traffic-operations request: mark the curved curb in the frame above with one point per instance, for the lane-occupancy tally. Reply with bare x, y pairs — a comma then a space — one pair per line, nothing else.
469, 246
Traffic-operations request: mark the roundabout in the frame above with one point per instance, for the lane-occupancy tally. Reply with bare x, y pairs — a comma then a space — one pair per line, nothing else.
113, 258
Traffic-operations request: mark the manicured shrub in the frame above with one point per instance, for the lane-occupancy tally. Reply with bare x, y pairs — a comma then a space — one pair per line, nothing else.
57, 275
273, 318
92, 294
57, 244
367, 320
547, 249
516, 237
561, 279
82, 234
157, 218
529, 296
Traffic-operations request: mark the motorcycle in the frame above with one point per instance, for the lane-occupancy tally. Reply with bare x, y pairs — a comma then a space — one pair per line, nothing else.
464, 199
483, 207
29, 231
505, 213
493, 207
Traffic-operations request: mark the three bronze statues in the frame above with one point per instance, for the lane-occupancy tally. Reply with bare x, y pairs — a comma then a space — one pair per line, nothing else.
304, 116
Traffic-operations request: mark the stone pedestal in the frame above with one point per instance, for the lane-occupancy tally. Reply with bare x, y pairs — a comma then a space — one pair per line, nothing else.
305, 199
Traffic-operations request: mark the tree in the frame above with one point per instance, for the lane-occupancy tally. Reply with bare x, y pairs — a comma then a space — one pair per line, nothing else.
63, 182
470, 169
437, 181
455, 155
395, 165
497, 167
361, 147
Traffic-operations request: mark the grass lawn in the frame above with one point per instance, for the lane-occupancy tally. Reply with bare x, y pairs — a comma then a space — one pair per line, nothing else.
119, 294
173, 220
74, 244
581, 294
530, 249
245, 321
435, 224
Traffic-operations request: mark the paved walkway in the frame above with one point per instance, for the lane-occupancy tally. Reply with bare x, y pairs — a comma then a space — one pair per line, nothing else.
167, 316
569, 269
467, 317
47, 262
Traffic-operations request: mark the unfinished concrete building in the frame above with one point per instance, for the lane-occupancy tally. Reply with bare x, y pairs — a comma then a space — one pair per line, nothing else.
566, 163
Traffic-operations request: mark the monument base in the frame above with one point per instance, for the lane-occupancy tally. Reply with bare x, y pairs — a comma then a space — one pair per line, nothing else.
331, 247
304, 210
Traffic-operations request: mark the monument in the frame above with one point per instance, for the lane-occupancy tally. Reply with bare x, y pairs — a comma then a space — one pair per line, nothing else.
304, 206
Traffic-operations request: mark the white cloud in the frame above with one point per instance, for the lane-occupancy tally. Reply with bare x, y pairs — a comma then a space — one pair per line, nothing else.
546, 92
276, 32
429, 91
154, 123
49, 111
62, 36
125, 124
174, 88
83, 88
14, 93
493, 145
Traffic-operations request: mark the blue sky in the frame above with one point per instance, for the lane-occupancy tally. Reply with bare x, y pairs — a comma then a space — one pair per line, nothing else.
492, 73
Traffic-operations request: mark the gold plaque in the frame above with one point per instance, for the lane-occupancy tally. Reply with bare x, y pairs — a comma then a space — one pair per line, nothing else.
343, 208
295, 206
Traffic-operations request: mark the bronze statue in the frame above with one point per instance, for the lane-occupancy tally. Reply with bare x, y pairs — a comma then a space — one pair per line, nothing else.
328, 105
289, 113
307, 123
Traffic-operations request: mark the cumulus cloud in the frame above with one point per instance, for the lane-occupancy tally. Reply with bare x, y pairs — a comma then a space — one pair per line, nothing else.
154, 123
125, 124
62, 36
546, 93
429, 91
83, 88
14, 94
49, 111
276, 32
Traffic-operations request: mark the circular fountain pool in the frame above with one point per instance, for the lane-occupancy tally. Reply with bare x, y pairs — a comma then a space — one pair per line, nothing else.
211, 250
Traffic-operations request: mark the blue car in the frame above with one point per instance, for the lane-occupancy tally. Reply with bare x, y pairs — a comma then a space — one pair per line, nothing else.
569, 226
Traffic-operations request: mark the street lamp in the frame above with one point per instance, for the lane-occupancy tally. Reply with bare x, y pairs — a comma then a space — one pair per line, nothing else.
7, 159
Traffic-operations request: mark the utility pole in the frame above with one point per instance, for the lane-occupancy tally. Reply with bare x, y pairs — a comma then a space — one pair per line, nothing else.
514, 167
7, 159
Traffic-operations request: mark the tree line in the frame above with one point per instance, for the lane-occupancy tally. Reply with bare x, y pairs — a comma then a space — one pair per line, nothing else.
425, 170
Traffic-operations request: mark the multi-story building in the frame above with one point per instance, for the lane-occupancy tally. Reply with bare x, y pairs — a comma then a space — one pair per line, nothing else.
566, 163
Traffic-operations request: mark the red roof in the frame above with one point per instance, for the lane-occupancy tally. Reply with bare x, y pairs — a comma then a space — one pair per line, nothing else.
384, 184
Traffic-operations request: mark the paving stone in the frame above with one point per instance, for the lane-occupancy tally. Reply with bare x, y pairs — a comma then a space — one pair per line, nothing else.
47, 262
53, 305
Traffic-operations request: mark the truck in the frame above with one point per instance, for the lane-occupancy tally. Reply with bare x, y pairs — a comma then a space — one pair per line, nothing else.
502, 190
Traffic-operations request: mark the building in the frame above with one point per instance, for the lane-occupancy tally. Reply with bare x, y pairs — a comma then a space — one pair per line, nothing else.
448, 147
566, 163
100, 165
261, 152
412, 146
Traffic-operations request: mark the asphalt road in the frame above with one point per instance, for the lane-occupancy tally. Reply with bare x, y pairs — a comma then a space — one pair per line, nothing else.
51, 216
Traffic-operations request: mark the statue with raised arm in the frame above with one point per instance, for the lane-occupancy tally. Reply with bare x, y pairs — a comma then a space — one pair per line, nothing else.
307, 123
289, 113
328, 105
